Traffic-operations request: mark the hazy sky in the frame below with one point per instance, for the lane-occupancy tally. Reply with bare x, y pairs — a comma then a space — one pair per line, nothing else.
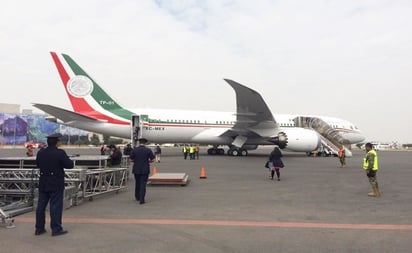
349, 59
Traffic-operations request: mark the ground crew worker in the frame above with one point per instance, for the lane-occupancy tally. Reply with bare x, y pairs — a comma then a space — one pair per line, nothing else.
185, 151
51, 161
197, 149
370, 165
192, 152
342, 155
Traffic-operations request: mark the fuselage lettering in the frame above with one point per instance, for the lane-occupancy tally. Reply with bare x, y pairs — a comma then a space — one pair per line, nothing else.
154, 128
104, 102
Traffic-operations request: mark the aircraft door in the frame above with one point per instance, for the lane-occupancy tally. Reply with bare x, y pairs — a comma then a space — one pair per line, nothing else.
136, 130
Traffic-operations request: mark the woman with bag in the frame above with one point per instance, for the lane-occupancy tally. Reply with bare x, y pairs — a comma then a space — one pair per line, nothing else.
275, 162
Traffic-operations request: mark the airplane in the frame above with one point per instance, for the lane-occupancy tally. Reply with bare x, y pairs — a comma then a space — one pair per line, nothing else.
250, 126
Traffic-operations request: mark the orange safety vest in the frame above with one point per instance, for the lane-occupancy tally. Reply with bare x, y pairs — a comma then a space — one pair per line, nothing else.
341, 152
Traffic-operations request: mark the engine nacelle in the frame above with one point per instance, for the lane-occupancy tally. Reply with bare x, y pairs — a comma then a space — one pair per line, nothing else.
281, 140
297, 139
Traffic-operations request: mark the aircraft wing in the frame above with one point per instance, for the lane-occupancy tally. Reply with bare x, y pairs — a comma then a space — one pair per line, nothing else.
253, 116
65, 115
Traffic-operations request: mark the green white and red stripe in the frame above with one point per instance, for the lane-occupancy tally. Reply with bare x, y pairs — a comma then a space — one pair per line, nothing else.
96, 103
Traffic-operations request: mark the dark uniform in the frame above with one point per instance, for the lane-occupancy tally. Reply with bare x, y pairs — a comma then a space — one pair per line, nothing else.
158, 152
51, 161
141, 157
128, 149
115, 156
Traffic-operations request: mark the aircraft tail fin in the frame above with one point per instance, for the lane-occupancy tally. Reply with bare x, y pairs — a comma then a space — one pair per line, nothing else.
85, 95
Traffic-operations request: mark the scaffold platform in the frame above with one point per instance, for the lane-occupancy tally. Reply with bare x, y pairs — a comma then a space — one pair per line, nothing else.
19, 180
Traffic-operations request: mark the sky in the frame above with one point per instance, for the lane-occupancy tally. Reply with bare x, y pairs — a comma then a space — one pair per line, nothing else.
348, 59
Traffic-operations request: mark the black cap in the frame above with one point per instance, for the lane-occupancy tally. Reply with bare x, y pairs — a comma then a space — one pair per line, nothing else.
369, 145
142, 140
54, 136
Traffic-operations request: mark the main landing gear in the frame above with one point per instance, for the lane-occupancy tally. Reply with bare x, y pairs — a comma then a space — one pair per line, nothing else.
231, 151
237, 152
215, 151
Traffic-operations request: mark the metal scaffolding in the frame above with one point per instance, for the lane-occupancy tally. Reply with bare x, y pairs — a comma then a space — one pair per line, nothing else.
89, 178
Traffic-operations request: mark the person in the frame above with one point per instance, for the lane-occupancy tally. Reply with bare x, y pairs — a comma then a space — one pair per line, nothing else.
29, 151
115, 156
185, 151
158, 152
275, 162
197, 149
128, 149
102, 150
342, 155
192, 152
141, 157
370, 165
51, 161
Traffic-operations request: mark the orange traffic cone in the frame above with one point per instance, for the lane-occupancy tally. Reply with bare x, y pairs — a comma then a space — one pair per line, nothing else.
202, 173
154, 171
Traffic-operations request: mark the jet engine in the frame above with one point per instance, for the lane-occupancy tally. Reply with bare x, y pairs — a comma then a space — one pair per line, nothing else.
297, 139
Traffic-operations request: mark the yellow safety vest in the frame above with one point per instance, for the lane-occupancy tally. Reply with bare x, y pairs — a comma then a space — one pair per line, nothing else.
375, 160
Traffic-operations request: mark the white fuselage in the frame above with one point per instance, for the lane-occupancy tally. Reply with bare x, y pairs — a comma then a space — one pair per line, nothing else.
207, 127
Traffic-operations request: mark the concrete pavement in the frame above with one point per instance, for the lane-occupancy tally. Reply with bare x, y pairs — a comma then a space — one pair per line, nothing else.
316, 207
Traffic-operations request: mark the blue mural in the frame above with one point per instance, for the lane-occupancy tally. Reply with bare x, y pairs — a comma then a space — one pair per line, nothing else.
17, 129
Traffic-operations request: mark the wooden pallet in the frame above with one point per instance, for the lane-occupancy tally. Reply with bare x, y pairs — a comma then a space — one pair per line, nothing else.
169, 178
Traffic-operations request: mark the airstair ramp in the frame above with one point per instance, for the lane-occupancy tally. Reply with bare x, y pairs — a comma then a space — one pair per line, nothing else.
329, 145
330, 137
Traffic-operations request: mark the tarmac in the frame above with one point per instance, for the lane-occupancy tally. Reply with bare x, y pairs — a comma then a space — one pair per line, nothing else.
316, 207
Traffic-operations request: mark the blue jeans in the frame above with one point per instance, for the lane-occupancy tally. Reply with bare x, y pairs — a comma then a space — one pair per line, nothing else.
56, 209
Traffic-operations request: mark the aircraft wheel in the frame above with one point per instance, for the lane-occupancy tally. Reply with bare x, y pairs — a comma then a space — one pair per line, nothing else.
211, 151
230, 152
243, 152
221, 151
235, 152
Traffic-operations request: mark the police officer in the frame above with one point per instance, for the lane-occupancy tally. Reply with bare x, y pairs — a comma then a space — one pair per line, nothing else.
370, 165
141, 157
51, 161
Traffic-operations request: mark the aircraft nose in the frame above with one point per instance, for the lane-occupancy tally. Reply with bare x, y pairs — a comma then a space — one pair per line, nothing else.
359, 137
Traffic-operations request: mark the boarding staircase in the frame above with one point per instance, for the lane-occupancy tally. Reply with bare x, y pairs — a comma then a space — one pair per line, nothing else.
331, 139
